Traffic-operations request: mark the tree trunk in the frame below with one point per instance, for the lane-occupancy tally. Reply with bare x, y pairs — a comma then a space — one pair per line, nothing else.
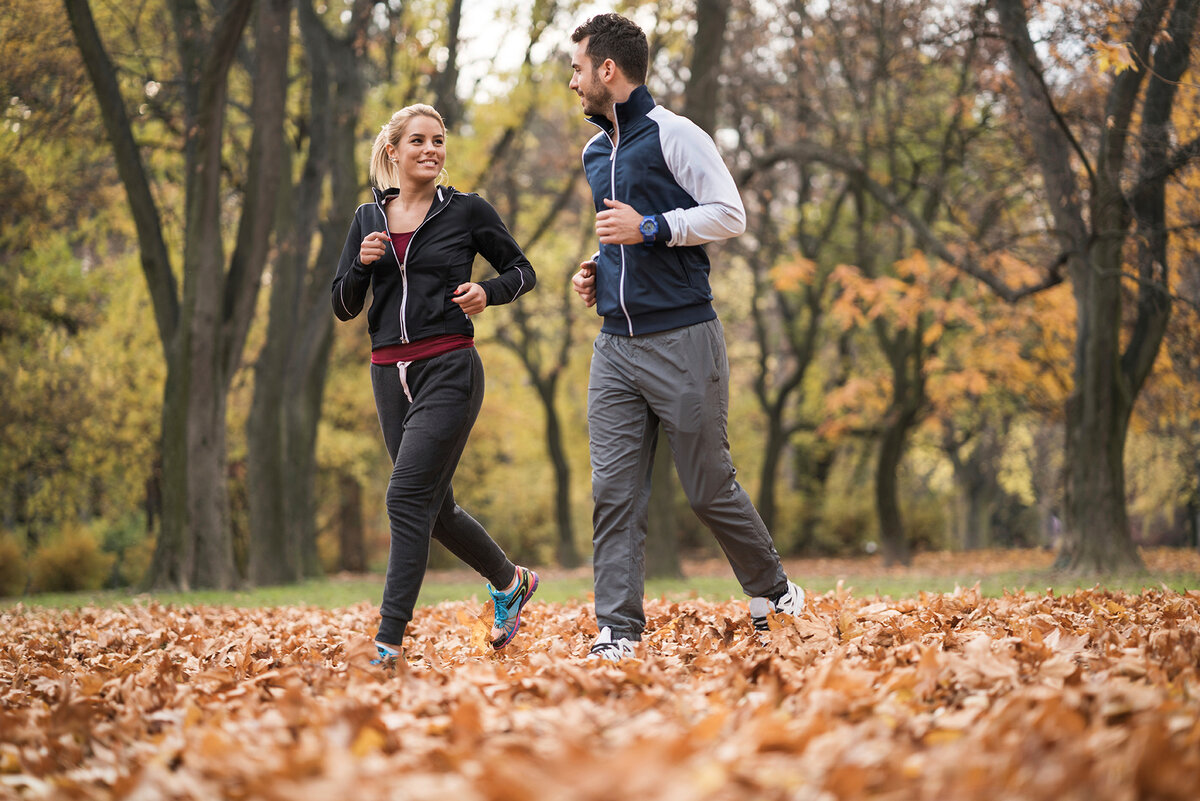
815, 473
1193, 509
700, 100
445, 84
208, 496
290, 374
893, 540
1107, 380
1096, 537
282, 437
174, 550
304, 418
567, 554
978, 485
981, 497
274, 547
274, 552
203, 333
769, 475
352, 548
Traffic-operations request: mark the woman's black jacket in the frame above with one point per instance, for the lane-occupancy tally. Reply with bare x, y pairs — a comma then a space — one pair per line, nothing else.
412, 301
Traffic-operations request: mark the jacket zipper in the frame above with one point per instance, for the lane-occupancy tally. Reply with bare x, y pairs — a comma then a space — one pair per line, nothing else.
613, 159
612, 181
403, 275
404, 264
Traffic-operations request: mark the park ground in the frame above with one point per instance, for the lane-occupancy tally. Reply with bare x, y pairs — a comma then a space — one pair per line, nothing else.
944, 680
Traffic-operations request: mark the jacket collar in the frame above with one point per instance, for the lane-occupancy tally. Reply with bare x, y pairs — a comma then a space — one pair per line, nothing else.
639, 104
441, 196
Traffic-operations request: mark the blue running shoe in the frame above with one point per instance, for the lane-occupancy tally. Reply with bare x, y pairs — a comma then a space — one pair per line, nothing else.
387, 655
509, 605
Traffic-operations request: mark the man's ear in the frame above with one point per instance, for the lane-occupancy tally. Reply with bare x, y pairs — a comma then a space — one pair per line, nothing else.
608, 70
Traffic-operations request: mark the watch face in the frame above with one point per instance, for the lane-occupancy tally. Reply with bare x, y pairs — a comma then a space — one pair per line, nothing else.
648, 226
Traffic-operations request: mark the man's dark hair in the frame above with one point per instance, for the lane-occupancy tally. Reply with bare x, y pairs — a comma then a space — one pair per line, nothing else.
613, 36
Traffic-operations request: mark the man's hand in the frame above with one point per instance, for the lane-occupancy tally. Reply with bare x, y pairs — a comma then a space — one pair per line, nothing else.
470, 298
619, 224
584, 283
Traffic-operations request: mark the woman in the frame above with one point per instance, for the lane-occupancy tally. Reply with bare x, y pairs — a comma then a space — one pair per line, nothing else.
413, 247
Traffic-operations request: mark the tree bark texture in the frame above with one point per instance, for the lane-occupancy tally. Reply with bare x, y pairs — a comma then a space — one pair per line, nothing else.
976, 475
290, 373
893, 541
700, 103
904, 352
203, 332
662, 529
566, 553
445, 83
352, 547
1107, 380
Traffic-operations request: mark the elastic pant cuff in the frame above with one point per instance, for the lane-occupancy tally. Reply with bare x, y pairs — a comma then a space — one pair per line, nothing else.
504, 577
391, 630
628, 635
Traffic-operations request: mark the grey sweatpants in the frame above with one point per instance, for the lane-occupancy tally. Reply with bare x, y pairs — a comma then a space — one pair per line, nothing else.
681, 378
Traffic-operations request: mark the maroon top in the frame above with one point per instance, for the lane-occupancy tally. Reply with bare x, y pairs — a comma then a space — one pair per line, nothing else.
400, 243
421, 349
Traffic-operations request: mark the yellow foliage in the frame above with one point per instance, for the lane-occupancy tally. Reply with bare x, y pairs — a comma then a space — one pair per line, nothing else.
791, 275
1010, 268
932, 334
12, 567
135, 561
70, 562
1113, 57
860, 399
913, 266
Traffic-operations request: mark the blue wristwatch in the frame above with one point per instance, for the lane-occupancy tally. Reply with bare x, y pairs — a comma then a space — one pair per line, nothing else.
649, 229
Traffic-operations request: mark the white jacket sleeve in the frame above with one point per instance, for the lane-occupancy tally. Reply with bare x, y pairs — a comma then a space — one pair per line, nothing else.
693, 159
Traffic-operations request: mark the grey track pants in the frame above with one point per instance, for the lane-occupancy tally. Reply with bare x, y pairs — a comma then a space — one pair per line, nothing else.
425, 438
681, 378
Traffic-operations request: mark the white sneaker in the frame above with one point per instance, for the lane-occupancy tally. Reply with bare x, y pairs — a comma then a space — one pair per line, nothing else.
790, 603
606, 647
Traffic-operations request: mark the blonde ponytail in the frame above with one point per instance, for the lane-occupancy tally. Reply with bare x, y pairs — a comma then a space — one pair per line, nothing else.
384, 172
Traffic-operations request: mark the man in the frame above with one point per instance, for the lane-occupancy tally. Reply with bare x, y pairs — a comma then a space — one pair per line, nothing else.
661, 192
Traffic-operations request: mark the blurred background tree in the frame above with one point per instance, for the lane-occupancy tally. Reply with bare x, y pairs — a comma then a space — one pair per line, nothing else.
947, 219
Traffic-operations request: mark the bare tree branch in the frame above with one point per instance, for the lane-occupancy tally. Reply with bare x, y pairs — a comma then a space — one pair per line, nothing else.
156, 263
811, 152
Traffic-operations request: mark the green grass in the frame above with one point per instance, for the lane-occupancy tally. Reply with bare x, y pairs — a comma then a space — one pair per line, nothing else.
333, 593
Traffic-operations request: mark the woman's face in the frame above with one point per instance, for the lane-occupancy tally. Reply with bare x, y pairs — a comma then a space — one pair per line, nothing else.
421, 152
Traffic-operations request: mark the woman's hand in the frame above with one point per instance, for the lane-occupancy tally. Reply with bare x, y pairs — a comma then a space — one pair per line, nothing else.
470, 298
373, 246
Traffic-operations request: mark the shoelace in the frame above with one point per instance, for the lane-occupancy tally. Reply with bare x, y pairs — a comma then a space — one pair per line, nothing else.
503, 609
604, 649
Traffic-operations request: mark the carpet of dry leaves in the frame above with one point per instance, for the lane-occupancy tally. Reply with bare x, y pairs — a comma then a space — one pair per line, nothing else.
1093, 695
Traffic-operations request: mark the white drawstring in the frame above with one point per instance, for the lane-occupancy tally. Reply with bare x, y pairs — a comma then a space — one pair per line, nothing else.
403, 368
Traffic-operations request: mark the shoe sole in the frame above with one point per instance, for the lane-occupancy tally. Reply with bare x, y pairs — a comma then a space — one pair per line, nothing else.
533, 585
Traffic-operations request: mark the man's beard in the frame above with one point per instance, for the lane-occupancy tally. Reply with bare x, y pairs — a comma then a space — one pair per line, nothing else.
597, 103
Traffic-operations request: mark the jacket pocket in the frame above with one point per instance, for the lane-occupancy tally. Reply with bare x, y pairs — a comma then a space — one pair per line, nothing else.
681, 267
